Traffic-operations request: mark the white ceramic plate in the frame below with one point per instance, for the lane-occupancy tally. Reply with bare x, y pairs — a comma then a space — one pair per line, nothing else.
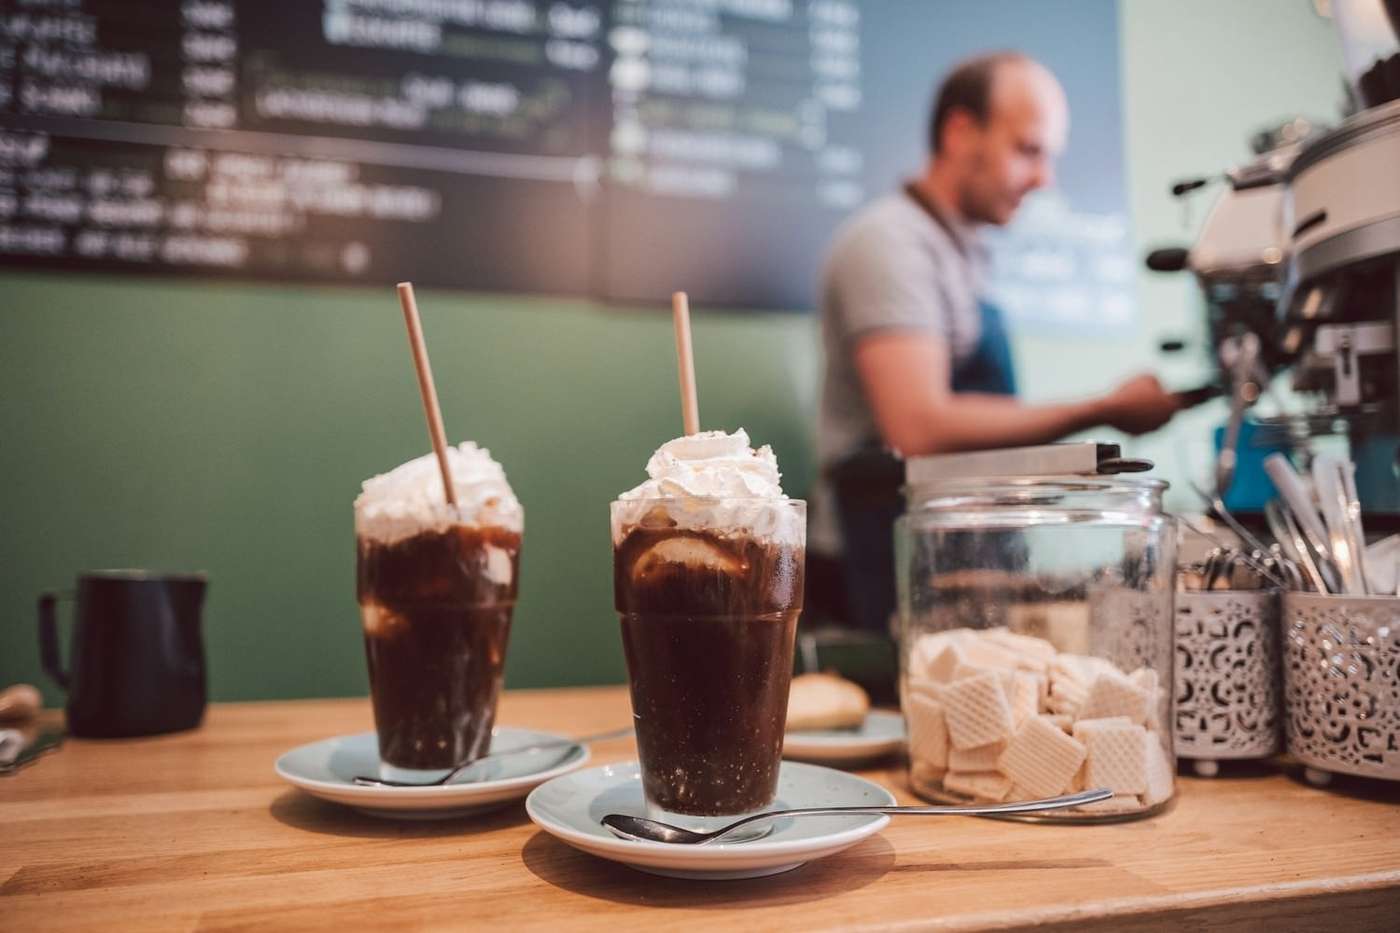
571, 808
326, 770
881, 734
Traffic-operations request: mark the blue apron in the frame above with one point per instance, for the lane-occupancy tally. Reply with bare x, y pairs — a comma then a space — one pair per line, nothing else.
989, 370
866, 487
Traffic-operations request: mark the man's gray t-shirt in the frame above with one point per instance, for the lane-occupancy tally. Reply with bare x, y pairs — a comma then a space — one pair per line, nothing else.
893, 266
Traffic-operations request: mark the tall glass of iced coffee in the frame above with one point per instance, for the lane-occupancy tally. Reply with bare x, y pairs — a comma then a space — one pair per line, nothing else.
708, 559
436, 586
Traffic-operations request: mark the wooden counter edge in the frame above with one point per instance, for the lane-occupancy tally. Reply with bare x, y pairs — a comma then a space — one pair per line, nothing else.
1356, 903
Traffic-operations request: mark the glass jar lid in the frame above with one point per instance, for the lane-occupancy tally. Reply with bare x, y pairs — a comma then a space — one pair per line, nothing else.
1037, 498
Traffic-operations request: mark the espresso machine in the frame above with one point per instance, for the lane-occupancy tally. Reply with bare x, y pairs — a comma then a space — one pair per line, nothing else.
1341, 298
1299, 264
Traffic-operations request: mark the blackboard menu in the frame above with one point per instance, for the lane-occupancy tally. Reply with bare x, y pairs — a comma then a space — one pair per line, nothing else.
351, 140
616, 149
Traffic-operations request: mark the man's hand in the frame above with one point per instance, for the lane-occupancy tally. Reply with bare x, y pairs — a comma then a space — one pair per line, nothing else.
1139, 405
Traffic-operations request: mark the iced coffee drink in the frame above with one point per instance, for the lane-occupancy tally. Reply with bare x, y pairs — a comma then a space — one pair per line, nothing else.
436, 586
707, 577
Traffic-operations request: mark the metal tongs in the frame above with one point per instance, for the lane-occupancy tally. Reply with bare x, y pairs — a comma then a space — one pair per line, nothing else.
1263, 567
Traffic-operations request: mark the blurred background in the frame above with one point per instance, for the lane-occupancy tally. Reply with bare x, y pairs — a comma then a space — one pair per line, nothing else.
217, 411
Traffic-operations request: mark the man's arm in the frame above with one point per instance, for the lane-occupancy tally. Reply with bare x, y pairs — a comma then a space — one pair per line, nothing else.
907, 380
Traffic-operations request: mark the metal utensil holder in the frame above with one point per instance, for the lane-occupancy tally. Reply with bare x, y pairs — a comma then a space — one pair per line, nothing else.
1342, 684
1228, 695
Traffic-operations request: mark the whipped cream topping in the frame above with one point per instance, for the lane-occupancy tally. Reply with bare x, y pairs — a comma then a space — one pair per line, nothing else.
409, 499
710, 464
713, 481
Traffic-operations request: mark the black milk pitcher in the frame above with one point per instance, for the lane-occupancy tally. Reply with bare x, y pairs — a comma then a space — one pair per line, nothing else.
137, 659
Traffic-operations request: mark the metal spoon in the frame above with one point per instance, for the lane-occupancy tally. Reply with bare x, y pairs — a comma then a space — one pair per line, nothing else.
365, 780
1356, 533
639, 829
1294, 493
1322, 560
1332, 502
1291, 542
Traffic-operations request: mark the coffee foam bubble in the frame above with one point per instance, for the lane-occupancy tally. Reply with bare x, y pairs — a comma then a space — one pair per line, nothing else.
712, 481
409, 499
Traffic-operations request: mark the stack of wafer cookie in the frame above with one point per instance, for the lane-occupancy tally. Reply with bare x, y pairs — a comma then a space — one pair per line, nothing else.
994, 715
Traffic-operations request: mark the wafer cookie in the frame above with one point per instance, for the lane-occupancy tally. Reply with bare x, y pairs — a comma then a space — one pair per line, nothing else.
977, 711
1113, 694
1117, 759
980, 758
1041, 758
992, 786
928, 731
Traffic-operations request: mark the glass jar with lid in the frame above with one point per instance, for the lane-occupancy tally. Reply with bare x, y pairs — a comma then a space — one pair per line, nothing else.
1035, 626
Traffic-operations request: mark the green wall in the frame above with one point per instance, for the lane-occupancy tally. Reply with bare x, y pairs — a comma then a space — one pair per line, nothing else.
227, 428
202, 425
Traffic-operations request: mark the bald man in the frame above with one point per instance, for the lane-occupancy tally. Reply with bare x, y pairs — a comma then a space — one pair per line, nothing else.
916, 363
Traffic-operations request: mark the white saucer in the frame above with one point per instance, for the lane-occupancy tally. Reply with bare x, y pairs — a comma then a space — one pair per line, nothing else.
325, 769
880, 734
571, 808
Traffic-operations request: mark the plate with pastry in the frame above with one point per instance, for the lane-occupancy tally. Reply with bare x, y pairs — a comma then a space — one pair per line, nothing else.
829, 721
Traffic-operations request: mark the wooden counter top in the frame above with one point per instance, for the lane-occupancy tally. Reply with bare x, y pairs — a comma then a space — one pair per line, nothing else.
195, 832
